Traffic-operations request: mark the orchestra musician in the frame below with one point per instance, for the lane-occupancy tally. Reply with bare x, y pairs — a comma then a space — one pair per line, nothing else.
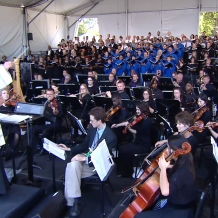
179, 81
10, 130
141, 144
92, 88
206, 85
79, 166
120, 89
147, 97
183, 121
53, 115
178, 95
156, 93
135, 80
202, 113
190, 97
177, 184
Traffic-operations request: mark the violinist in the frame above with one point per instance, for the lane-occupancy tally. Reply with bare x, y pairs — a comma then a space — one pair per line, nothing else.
10, 130
190, 97
53, 115
147, 97
183, 121
142, 143
177, 184
117, 114
210, 162
202, 113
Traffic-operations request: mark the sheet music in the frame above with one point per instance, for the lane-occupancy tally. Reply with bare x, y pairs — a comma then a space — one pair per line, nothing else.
5, 77
54, 149
13, 118
2, 138
102, 160
215, 148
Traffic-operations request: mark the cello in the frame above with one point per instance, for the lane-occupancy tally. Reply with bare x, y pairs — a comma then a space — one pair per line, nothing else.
147, 187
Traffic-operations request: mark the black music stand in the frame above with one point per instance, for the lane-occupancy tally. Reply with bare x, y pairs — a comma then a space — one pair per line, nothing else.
108, 88
130, 105
81, 78
105, 101
165, 83
40, 84
168, 108
125, 79
146, 78
33, 109
102, 77
138, 92
167, 94
39, 100
66, 89
73, 102
105, 83
31, 93
213, 95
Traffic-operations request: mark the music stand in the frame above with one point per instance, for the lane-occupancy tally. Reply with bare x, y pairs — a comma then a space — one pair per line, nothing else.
39, 100
40, 84
77, 122
66, 89
168, 108
130, 105
213, 95
105, 101
33, 109
31, 93
165, 83
108, 88
102, 77
56, 80
125, 79
72, 101
129, 92
81, 78
138, 92
146, 78
105, 83
167, 94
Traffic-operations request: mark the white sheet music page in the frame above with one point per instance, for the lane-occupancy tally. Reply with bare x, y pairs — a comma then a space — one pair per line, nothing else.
54, 149
5, 77
2, 138
215, 148
13, 118
102, 160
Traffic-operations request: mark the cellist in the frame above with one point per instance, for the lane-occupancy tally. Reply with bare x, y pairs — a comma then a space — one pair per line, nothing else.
176, 184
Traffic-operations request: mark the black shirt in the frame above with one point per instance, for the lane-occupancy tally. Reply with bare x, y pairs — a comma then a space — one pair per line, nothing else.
182, 187
157, 94
119, 116
93, 90
193, 142
124, 95
210, 87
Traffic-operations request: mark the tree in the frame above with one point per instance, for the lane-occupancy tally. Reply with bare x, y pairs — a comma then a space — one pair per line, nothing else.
82, 29
208, 23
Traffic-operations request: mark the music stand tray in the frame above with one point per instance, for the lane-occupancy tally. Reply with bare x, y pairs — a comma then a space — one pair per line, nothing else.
125, 79
138, 92
164, 105
108, 88
29, 109
66, 89
147, 77
166, 83
102, 77
130, 105
82, 78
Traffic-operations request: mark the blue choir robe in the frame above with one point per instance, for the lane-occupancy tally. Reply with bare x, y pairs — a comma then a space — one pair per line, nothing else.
133, 65
157, 65
108, 68
169, 68
120, 66
145, 66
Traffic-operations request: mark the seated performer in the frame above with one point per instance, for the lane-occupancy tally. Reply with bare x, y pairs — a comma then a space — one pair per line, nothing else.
147, 97
10, 130
78, 167
141, 144
184, 120
177, 184
120, 89
53, 116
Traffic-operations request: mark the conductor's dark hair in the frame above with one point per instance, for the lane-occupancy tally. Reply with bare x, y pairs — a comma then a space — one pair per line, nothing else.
186, 160
185, 118
203, 97
98, 113
143, 107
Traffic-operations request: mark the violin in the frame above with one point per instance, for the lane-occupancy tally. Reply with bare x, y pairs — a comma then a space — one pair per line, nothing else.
134, 122
212, 125
54, 105
111, 112
147, 187
13, 100
199, 112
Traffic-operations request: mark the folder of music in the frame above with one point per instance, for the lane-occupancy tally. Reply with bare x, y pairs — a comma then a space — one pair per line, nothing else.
54, 149
13, 118
215, 148
2, 138
102, 161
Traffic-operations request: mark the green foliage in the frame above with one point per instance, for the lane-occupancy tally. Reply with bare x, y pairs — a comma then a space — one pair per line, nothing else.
208, 23
87, 25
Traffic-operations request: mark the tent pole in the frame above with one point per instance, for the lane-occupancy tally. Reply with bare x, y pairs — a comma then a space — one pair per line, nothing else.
25, 31
126, 5
199, 15
40, 12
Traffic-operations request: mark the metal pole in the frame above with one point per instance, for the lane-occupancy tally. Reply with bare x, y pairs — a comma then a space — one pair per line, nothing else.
25, 40
126, 17
40, 12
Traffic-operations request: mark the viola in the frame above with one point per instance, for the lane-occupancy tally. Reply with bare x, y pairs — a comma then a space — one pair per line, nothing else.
13, 100
111, 112
147, 187
134, 122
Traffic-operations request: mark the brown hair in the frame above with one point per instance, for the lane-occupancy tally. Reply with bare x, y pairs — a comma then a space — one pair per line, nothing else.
185, 118
143, 107
98, 113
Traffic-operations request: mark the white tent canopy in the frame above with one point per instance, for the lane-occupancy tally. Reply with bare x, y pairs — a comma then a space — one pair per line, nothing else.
51, 20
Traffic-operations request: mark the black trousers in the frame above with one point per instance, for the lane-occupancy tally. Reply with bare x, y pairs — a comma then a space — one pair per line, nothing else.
126, 157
